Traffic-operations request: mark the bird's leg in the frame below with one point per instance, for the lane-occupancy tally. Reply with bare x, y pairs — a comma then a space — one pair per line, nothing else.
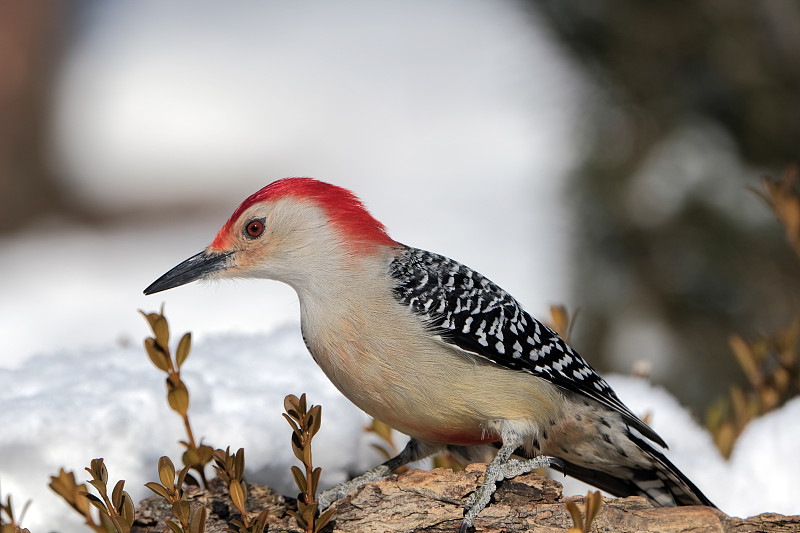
414, 451
499, 469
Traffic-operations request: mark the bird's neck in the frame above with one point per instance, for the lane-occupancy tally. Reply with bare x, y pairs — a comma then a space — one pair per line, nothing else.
335, 282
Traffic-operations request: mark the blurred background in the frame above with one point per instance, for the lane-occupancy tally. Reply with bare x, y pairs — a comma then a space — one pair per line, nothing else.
601, 158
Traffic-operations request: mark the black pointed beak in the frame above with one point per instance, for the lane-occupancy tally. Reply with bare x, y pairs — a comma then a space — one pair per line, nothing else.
194, 268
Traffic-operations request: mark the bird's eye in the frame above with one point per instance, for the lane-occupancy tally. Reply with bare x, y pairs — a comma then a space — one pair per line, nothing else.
254, 228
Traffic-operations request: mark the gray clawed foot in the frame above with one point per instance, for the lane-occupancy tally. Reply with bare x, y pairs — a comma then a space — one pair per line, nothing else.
495, 472
413, 451
343, 489
465, 527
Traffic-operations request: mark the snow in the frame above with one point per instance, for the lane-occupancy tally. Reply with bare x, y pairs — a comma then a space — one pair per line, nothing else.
766, 462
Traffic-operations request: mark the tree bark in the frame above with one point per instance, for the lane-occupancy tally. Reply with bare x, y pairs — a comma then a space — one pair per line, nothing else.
431, 502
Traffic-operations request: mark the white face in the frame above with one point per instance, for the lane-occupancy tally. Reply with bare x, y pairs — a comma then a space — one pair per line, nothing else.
289, 239
282, 240
286, 240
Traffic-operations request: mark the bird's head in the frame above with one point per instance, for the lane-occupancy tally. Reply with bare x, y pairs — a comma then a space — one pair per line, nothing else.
285, 230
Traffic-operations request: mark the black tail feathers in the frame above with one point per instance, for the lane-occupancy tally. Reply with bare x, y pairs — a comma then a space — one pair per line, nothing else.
662, 483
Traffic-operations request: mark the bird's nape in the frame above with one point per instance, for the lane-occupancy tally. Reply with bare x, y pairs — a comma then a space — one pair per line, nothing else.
196, 267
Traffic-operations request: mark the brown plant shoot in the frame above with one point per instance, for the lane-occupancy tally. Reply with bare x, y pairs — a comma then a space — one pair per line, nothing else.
230, 469
305, 424
196, 456
593, 504
9, 524
171, 489
116, 513
770, 363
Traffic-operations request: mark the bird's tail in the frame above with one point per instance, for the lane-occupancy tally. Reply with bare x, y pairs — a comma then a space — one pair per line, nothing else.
661, 482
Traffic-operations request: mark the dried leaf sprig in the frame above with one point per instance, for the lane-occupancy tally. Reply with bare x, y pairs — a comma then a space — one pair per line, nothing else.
772, 367
74, 494
770, 363
171, 489
9, 524
387, 447
783, 199
305, 424
196, 456
116, 511
561, 322
230, 469
593, 503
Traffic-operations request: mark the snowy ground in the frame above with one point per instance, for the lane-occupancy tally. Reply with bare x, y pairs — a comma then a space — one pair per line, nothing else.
117, 410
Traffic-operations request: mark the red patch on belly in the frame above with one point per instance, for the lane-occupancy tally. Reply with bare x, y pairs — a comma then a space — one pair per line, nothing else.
453, 436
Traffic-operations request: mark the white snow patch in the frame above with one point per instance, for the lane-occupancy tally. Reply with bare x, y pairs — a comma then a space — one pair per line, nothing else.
63, 410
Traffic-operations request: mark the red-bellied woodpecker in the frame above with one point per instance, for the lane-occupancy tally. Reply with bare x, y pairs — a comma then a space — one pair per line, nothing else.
434, 349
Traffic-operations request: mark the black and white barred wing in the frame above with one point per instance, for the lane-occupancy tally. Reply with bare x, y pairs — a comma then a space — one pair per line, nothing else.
469, 311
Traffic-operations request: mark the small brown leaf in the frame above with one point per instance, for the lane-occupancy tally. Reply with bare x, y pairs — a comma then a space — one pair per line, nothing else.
183, 349
315, 474
746, 358
178, 397
150, 317
261, 521
181, 510
97, 502
575, 513
309, 512
98, 485
174, 527
237, 496
724, 438
316, 422
116, 494
238, 464
299, 479
559, 320
126, 512
381, 429
291, 403
292, 423
182, 476
156, 354
300, 521
158, 489
323, 519
205, 453
161, 330
594, 502
197, 524
191, 481
99, 470
166, 472
297, 449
